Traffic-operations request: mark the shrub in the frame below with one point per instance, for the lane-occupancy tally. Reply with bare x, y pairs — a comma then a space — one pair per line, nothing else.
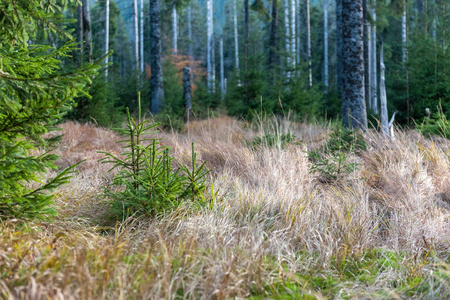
271, 140
436, 125
332, 160
34, 95
147, 180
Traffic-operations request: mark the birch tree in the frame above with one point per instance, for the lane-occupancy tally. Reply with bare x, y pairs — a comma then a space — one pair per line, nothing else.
190, 41
293, 33
373, 48
222, 77
353, 102
106, 46
308, 40
136, 35
141, 38
174, 29
383, 97
287, 39
325, 43
210, 45
156, 80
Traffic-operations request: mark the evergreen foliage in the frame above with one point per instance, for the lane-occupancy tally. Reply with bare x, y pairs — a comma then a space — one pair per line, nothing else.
148, 183
35, 93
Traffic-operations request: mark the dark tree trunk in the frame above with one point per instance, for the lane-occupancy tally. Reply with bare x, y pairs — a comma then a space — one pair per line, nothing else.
353, 100
156, 80
273, 36
339, 47
87, 30
187, 92
79, 55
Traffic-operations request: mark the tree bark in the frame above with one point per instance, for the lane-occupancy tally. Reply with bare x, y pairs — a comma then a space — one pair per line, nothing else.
210, 42
383, 98
367, 53
187, 92
246, 47
273, 35
141, 39
287, 39
236, 40
190, 41
156, 80
175, 29
293, 33
325, 44
80, 32
308, 40
87, 35
353, 65
339, 57
373, 40
136, 36
222, 76
106, 46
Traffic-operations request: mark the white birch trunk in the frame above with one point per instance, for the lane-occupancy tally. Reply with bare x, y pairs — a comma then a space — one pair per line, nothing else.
293, 33
383, 98
106, 47
222, 79
298, 40
236, 41
287, 41
175, 30
308, 40
136, 35
209, 33
325, 43
189, 21
373, 41
141, 40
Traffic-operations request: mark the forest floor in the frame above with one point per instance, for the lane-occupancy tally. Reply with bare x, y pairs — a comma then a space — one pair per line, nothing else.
273, 230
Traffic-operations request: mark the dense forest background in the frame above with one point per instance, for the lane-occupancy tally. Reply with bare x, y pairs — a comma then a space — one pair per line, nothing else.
412, 34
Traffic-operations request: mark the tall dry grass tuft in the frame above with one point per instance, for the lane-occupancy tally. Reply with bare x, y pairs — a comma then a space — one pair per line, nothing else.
272, 224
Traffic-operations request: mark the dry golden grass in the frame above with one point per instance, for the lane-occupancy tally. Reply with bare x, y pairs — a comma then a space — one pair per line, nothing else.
272, 228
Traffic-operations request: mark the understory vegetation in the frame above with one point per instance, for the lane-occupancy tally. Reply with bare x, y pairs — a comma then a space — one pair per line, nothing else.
274, 226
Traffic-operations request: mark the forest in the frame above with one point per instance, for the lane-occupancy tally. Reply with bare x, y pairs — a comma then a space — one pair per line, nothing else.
224, 149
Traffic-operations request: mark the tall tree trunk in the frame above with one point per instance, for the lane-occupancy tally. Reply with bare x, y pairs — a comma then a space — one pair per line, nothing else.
298, 40
222, 74
367, 53
273, 35
339, 58
383, 98
325, 43
175, 29
190, 41
187, 93
80, 35
293, 33
405, 57
156, 80
136, 36
353, 64
106, 46
213, 58
236, 40
210, 42
287, 40
246, 47
87, 35
141, 39
308, 40
373, 40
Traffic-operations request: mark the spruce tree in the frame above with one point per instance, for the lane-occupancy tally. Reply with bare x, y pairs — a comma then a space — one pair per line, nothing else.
35, 92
